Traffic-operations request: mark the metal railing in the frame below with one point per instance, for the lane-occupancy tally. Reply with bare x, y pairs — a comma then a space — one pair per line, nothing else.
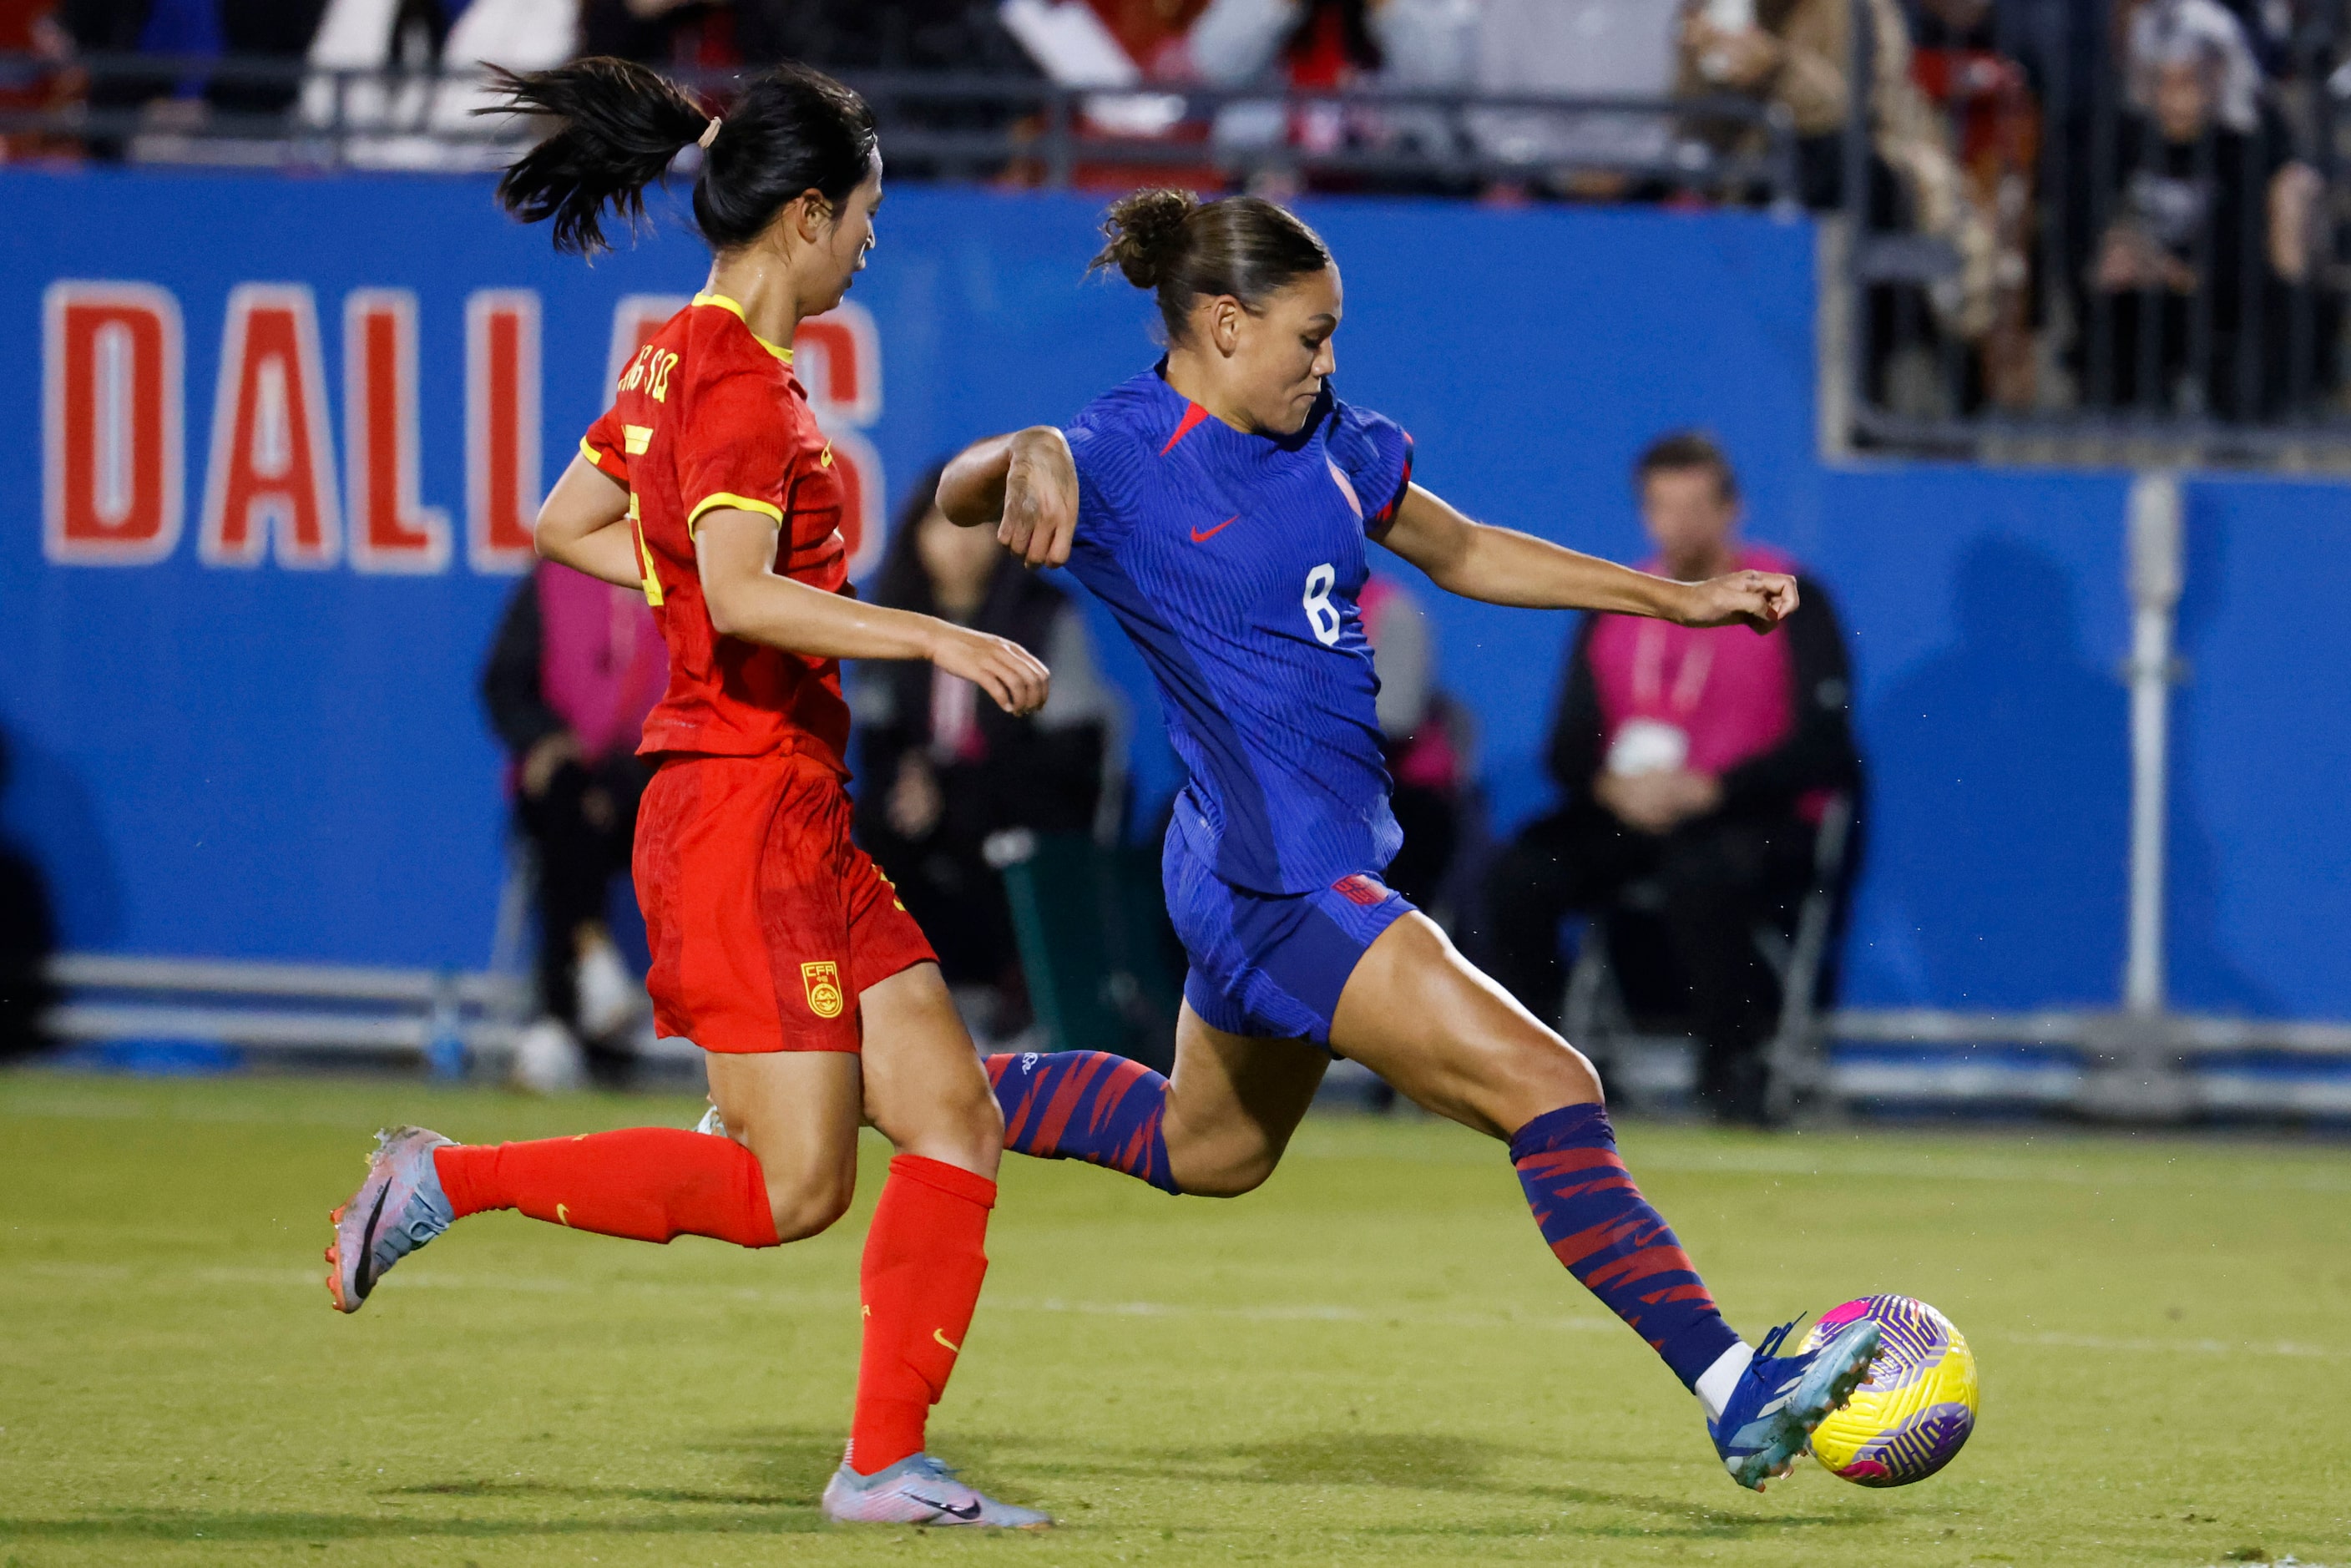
2161, 270
282, 113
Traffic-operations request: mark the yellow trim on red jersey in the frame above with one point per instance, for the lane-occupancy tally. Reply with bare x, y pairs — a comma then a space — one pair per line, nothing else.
644, 555
742, 502
706, 298
635, 438
596, 460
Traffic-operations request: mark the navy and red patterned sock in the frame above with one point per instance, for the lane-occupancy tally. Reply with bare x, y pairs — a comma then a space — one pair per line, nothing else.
1617, 1246
1085, 1105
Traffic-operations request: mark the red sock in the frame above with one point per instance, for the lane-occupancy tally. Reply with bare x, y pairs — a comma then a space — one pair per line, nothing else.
648, 1183
924, 1263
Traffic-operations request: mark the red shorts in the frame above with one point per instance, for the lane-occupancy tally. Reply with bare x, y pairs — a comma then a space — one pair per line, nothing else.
766, 922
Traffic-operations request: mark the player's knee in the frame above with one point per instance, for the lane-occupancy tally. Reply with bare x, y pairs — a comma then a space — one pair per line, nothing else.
1558, 1075
808, 1206
1226, 1170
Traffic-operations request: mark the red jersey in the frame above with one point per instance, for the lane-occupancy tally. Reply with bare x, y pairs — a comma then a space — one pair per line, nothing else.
709, 415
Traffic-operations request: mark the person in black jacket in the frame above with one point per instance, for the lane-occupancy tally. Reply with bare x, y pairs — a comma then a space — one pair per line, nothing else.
941, 772
574, 668
1695, 762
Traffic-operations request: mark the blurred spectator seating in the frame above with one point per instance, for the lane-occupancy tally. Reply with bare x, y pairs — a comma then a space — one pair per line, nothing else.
1794, 54
943, 771
575, 667
424, 122
1578, 49
1699, 770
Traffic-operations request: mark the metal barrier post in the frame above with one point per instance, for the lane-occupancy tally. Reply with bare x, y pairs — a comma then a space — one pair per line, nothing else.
2156, 537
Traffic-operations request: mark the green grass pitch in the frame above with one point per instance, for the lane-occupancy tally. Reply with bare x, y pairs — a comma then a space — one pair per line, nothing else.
1373, 1360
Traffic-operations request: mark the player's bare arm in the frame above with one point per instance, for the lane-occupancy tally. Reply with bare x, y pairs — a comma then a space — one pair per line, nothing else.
735, 551
585, 525
1025, 483
1502, 566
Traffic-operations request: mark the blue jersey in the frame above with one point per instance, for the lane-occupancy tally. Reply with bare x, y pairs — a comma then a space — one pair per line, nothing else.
1234, 562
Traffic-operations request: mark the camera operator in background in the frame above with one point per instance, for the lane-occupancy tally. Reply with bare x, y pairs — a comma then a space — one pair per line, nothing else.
1697, 760
575, 666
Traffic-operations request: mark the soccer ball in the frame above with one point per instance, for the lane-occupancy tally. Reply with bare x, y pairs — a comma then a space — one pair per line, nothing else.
1913, 1415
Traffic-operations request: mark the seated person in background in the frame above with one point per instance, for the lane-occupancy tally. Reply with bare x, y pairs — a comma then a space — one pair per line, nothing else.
1425, 740
2202, 161
1699, 760
575, 666
941, 772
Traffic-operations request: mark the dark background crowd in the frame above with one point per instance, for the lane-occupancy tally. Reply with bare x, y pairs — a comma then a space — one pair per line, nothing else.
2061, 204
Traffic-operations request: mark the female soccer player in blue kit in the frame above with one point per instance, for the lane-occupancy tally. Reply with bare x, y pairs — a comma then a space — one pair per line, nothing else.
1219, 505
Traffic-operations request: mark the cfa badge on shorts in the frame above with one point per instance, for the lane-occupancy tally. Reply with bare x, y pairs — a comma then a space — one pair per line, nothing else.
824, 983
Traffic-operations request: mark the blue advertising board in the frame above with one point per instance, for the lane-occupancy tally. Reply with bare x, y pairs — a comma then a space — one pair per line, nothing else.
292, 430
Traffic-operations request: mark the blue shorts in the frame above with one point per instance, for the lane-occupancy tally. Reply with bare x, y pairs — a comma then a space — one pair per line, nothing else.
1271, 965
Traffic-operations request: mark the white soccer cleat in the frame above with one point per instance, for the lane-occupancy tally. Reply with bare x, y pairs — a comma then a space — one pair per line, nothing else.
547, 1059
609, 996
919, 1489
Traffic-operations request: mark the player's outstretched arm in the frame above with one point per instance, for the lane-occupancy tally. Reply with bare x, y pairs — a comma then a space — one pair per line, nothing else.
1502, 566
1025, 483
585, 525
735, 553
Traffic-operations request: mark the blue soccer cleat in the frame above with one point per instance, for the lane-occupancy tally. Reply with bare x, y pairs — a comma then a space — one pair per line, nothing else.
919, 1489
1780, 1398
398, 1209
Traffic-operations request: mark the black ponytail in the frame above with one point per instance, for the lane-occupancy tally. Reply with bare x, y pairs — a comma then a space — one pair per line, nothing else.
790, 131
1184, 249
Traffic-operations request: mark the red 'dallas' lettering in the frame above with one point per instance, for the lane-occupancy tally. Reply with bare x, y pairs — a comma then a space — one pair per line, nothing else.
392, 530
112, 412
270, 481
502, 474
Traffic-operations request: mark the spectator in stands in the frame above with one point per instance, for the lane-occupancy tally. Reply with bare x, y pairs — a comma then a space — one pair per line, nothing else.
1425, 738
575, 666
942, 771
1793, 53
28, 937
2204, 166
1695, 762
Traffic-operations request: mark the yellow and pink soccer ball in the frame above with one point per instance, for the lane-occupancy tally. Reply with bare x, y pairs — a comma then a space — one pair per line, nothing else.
1914, 1413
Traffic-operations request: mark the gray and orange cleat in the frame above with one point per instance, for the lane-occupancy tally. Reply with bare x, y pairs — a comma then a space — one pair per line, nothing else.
919, 1489
398, 1209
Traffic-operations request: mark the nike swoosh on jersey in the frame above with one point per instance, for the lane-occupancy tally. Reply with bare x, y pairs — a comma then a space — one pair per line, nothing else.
1199, 537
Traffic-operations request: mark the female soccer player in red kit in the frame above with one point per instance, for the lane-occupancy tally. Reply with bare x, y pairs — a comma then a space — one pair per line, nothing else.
777, 946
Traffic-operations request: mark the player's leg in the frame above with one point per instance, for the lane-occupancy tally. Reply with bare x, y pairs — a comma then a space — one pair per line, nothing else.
925, 1252
1241, 1079
1456, 1043
1214, 1129
789, 1175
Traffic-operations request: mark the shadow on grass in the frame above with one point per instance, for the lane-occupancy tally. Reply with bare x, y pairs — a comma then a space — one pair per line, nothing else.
784, 1469
791, 1467
1404, 1460
204, 1524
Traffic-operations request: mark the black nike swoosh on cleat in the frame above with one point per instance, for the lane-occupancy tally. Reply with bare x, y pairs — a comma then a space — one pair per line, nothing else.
366, 1242
967, 1513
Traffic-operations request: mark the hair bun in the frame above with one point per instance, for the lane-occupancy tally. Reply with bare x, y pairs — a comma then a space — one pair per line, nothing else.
1144, 232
